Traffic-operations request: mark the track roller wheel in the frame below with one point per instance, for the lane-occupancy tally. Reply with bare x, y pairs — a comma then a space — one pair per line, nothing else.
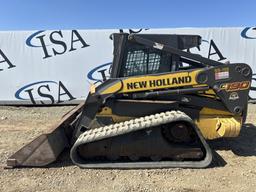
178, 132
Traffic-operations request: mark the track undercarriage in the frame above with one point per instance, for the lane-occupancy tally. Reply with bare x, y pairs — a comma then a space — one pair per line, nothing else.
146, 142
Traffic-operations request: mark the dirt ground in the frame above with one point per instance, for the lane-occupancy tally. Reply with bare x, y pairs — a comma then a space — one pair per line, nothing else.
18, 125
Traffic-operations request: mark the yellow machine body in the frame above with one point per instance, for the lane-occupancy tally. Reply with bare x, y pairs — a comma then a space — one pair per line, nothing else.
216, 124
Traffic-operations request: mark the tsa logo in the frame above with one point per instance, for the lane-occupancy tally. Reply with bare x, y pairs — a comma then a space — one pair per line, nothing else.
44, 92
249, 33
55, 43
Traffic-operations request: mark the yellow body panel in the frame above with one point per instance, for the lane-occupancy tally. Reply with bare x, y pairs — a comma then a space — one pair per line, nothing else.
214, 124
107, 112
154, 82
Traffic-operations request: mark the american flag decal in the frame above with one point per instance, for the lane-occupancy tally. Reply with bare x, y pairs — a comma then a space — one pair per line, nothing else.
221, 75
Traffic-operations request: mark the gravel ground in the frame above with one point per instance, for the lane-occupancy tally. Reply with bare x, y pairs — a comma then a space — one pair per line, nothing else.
18, 125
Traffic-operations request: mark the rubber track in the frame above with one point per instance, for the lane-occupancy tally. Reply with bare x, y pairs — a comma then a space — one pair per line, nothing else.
137, 124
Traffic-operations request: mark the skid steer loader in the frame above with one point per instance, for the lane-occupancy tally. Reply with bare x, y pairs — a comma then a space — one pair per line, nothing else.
156, 110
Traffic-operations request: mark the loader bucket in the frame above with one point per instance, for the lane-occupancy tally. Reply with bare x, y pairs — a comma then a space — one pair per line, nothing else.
46, 148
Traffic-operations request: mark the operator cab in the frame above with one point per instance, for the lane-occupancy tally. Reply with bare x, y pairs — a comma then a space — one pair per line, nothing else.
133, 59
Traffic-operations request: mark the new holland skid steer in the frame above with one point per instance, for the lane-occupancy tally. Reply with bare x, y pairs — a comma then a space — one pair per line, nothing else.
157, 109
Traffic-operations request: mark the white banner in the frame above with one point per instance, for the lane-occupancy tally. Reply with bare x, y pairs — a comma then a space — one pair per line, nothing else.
55, 67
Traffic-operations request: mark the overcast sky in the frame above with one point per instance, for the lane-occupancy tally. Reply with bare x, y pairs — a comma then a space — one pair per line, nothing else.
95, 14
